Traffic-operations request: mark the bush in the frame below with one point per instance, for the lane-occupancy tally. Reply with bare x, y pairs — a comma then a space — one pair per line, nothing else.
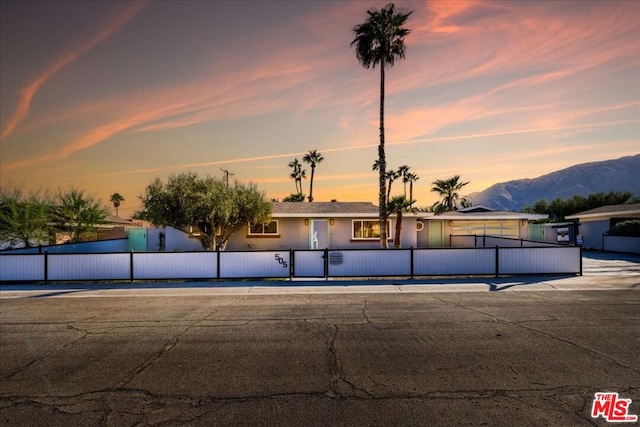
630, 228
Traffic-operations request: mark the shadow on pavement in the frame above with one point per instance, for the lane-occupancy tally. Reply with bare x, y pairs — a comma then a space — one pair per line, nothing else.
494, 284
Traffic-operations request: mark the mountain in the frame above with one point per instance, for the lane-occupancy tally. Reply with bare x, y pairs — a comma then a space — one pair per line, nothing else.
621, 174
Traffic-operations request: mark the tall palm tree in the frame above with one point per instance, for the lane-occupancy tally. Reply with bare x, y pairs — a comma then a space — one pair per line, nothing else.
313, 158
448, 190
391, 176
411, 177
403, 171
116, 199
379, 40
298, 174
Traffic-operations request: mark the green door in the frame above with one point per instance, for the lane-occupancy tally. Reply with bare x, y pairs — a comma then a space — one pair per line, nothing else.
137, 239
435, 234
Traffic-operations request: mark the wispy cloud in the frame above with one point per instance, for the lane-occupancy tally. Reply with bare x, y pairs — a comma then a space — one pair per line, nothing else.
27, 93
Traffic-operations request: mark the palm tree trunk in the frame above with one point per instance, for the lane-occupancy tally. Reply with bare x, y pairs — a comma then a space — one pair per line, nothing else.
411, 192
382, 196
396, 240
313, 170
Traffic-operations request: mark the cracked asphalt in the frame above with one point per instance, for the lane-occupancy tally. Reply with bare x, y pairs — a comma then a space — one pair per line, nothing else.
414, 354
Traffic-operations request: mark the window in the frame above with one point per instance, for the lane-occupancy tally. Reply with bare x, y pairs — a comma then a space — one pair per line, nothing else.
366, 229
268, 229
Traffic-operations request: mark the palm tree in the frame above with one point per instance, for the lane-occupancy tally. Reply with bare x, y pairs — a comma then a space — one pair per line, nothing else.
379, 40
313, 158
116, 199
411, 178
391, 175
403, 171
448, 190
398, 206
298, 174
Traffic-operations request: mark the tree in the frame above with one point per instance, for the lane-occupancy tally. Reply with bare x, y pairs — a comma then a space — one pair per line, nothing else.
24, 217
297, 175
391, 175
403, 171
116, 199
411, 177
77, 215
448, 189
379, 41
313, 158
207, 207
559, 208
399, 205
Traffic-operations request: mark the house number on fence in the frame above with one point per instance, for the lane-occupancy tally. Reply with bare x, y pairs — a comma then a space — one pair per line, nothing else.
282, 261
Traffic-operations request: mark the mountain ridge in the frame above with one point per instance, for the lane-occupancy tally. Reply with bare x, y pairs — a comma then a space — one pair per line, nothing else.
622, 174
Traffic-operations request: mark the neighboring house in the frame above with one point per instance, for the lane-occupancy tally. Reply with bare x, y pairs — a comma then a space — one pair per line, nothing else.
596, 222
113, 227
320, 225
449, 228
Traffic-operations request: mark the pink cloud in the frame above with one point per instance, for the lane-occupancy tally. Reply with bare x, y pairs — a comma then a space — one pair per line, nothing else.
27, 93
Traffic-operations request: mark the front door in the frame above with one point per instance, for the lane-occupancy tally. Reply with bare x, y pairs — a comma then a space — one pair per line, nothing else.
319, 234
435, 234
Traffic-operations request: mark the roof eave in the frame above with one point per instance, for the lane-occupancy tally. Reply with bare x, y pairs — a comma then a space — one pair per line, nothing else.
604, 214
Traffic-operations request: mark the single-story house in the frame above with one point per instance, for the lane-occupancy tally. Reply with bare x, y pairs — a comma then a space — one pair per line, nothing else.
344, 225
450, 228
320, 225
594, 223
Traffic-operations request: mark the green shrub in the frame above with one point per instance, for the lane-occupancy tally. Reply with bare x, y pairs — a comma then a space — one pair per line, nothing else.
630, 228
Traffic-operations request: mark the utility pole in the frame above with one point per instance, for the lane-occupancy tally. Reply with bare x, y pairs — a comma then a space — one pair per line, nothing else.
226, 176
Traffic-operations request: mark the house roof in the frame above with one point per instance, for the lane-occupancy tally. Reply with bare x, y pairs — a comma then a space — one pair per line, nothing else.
324, 209
609, 211
484, 214
112, 219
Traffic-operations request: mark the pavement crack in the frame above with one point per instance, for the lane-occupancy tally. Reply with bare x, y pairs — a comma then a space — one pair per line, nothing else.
150, 361
340, 386
574, 344
37, 360
159, 354
364, 311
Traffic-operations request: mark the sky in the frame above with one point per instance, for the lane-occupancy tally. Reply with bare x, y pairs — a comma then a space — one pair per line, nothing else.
106, 96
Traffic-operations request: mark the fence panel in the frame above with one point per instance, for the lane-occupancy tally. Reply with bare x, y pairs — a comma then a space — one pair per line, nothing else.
89, 266
184, 265
621, 244
98, 246
22, 267
31, 250
309, 263
547, 260
440, 262
462, 241
262, 264
370, 263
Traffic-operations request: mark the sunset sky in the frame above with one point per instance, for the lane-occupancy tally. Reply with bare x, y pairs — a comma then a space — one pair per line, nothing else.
105, 96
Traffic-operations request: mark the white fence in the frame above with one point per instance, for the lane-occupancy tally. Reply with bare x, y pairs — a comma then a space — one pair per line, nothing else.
291, 264
483, 241
621, 244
